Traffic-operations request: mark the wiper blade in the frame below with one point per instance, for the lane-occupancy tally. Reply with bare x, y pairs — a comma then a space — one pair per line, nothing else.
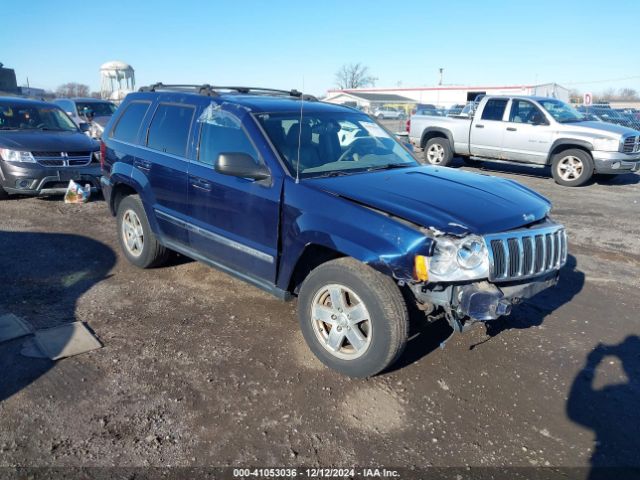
333, 173
388, 166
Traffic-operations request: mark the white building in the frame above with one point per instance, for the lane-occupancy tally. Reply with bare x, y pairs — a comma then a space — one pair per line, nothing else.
443, 96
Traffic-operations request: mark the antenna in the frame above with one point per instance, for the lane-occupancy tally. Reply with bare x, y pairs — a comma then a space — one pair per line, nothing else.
300, 133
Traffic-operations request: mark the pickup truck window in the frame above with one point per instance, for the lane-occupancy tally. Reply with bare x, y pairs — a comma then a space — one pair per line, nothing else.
336, 142
494, 109
562, 112
216, 139
169, 129
525, 112
126, 130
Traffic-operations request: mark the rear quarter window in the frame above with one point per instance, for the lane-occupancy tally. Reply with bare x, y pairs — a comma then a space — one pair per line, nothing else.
494, 109
169, 129
128, 125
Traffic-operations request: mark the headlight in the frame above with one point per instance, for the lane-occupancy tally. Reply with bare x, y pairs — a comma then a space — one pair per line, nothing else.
456, 259
16, 156
606, 144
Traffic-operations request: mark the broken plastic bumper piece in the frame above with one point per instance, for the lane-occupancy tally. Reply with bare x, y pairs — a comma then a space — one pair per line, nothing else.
485, 301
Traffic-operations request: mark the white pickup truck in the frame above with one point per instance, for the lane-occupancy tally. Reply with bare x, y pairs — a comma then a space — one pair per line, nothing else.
537, 131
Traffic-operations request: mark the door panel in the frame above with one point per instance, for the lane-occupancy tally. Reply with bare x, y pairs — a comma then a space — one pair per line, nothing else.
527, 136
235, 221
487, 132
166, 167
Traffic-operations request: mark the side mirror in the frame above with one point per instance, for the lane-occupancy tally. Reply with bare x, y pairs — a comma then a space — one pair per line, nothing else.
84, 127
240, 165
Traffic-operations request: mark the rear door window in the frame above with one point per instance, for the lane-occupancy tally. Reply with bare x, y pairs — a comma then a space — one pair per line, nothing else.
169, 129
494, 109
126, 130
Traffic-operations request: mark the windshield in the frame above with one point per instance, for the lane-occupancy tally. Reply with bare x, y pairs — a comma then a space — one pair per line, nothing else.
34, 117
97, 109
333, 143
562, 112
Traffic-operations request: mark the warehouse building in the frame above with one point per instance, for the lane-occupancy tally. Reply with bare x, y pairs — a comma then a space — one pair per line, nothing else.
441, 96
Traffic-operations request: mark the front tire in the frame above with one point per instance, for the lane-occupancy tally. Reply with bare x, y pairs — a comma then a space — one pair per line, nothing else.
353, 318
438, 152
572, 168
3, 194
137, 241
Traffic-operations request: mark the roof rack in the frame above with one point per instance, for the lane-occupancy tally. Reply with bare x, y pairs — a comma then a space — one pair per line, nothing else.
214, 91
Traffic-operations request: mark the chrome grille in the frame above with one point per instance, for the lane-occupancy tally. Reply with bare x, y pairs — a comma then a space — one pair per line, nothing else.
62, 159
526, 253
631, 144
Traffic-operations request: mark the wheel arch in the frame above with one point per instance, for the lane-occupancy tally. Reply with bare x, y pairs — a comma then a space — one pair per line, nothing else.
435, 132
312, 256
562, 145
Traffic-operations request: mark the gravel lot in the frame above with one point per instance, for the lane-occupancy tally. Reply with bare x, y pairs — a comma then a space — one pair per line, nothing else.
199, 369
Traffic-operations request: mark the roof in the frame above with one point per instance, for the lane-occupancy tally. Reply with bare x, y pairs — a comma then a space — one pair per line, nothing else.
115, 65
375, 97
257, 103
25, 101
84, 99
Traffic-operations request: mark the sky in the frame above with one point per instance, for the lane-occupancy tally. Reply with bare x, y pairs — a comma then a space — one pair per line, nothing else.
589, 45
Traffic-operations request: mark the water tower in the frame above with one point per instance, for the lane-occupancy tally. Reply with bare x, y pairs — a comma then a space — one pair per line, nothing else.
118, 79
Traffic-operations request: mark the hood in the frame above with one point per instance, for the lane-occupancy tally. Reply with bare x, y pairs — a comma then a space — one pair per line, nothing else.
598, 129
452, 201
43, 141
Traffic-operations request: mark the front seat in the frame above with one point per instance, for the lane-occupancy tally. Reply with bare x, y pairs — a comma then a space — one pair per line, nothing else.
309, 156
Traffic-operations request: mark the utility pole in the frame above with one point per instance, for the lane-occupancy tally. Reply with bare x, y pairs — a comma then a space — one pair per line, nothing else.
441, 72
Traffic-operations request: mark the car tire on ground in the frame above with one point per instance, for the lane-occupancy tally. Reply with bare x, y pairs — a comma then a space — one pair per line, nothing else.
353, 318
136, 239
438, 151
572, 168
3, 194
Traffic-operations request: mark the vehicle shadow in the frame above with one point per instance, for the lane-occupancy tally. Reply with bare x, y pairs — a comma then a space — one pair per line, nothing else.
526, 171
611, 411
42, 277
533, 311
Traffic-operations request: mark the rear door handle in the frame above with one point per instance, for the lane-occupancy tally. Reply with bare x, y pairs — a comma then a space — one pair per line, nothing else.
142, 165
200, 183
479, 126
512, 129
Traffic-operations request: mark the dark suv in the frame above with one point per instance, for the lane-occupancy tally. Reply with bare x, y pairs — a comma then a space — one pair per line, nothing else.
41, 149
308, 199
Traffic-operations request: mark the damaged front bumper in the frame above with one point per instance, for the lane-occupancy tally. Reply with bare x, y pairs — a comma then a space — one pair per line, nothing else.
480, 301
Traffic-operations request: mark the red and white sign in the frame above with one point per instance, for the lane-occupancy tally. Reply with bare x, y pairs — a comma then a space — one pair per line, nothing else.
588, 99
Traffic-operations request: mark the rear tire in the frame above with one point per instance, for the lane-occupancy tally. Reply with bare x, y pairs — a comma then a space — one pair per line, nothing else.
438, 152
353, 318
572, 168
137, 241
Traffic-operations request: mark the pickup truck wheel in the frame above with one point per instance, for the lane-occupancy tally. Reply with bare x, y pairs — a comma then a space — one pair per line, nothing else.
137, 241
438, 152
353, 318
572, 168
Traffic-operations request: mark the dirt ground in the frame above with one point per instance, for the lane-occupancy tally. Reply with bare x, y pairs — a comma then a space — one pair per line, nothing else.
200, 369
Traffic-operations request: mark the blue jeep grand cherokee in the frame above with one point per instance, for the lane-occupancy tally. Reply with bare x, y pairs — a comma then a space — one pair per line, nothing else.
308, 199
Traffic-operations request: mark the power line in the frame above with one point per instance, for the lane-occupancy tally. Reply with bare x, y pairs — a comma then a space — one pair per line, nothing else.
633, 77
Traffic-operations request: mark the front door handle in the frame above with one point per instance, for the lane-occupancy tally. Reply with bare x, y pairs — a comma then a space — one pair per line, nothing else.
479, 126
201, 184
512, 129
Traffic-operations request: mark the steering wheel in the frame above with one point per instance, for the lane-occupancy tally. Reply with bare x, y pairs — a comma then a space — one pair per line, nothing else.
359, 146
40, 125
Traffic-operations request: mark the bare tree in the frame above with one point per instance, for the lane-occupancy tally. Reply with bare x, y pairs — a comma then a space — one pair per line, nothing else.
628, 94
354, 75
73, 89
